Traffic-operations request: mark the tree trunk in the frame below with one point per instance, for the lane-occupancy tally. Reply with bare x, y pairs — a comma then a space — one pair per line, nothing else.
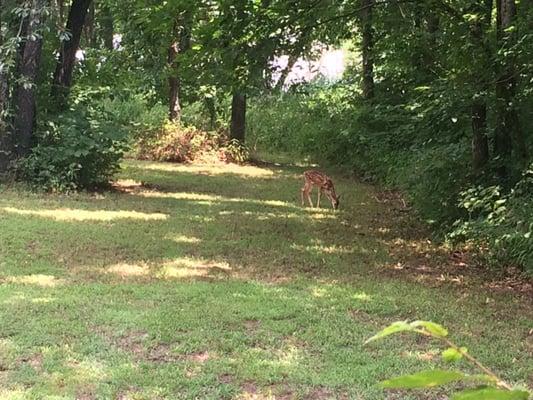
4, 83
174, 113
480, 143
508, 133
286, 71
5, 145
212, 110
25, 116
89, 27
67, 53
108, 28
480, 67
238, 117
367, 49
182, 43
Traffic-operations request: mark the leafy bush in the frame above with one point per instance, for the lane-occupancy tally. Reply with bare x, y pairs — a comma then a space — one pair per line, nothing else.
488, 384
500, 221
177, 143
234, 151
78, 149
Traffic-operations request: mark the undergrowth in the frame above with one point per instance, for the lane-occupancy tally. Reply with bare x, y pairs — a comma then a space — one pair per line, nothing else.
420, 146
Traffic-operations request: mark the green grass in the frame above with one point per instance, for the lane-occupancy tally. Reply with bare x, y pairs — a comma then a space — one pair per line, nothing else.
213, 283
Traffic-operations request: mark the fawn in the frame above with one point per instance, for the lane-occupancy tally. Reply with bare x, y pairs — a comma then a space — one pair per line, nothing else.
325, 186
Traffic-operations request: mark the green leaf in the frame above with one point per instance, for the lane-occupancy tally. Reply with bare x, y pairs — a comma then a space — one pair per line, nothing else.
424, 379
399, 326
431, 327
452, 354
491, 394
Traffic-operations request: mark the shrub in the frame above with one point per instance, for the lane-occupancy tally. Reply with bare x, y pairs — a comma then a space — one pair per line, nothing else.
174, 142
78, 149
500, 221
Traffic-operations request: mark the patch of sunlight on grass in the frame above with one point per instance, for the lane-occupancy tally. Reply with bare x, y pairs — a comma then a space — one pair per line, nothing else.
320, 215
87, 370
66, 214
190, 267
184, 239
14, 394
289, 356
362, 296
208, 199
43, 300
319, 292
208, 169
18, 297
37, 280
323, 249
124, 270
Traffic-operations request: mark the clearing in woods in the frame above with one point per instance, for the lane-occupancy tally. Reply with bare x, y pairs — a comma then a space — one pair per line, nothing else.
212, 282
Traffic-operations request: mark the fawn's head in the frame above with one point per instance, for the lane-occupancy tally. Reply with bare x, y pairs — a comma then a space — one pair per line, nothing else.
335, 201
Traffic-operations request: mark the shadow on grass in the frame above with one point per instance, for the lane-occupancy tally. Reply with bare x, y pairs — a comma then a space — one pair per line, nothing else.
104, 300
180, 226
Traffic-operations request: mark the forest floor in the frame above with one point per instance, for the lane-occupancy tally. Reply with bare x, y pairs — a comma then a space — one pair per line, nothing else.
212, 282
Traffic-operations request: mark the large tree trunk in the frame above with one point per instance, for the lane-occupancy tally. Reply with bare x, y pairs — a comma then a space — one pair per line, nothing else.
4, 83
67, 53
508, 134
5, 145
481, 67
367, 49
181, 43
25, 116
238, 117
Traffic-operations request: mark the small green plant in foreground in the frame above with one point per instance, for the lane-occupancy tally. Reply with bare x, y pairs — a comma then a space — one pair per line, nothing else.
489, 385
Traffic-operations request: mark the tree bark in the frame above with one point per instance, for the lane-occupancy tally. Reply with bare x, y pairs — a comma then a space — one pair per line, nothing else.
67, 53
182, 43
367, 49
480, 142
25, 116
5, 145
238, 117
108, 28
286, 71
4, 83
89, 26
212, 111
174, 113
508, 134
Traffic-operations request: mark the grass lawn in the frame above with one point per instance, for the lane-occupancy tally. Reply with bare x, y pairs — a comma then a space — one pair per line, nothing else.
211, 282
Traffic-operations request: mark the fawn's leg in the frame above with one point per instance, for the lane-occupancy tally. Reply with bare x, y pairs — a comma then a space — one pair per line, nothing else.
305, 193
308, 192
318, 201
